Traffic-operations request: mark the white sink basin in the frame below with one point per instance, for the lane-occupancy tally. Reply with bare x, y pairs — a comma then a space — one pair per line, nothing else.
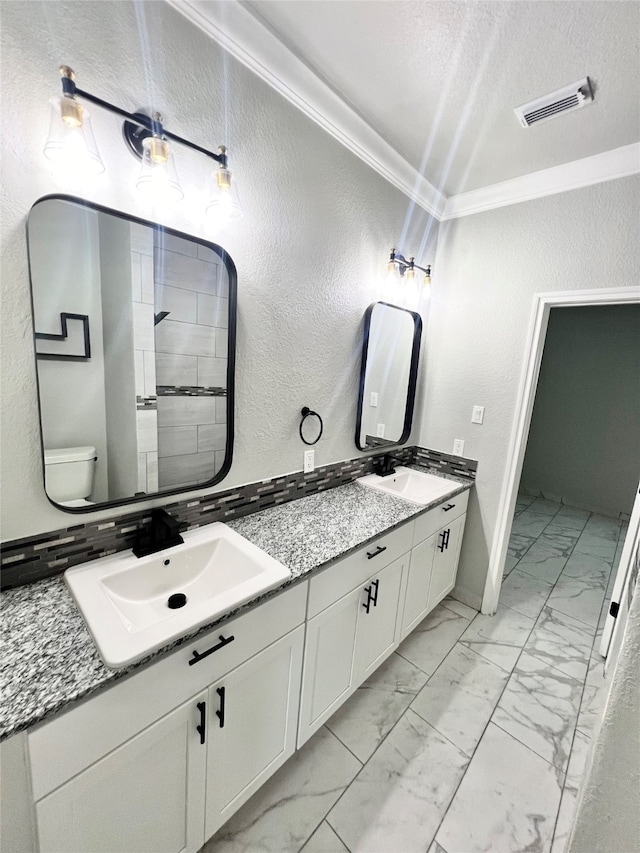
415, 486
125, 599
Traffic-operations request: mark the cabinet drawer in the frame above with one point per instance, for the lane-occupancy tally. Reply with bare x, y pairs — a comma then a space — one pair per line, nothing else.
64, 746
438, 517
349, 572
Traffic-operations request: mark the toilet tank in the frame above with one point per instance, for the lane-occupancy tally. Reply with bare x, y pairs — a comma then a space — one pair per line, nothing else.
68, 472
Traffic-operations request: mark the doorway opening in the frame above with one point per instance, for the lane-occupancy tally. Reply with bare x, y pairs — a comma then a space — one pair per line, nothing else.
543, 303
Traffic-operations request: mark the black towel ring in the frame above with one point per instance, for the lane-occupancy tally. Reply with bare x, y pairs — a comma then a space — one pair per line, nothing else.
307, 413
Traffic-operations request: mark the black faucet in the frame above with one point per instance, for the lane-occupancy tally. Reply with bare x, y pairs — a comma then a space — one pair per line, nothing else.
383, 466
163, 532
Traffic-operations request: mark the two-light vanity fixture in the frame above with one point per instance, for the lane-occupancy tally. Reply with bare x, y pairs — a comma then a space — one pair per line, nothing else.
72, 148
399, 267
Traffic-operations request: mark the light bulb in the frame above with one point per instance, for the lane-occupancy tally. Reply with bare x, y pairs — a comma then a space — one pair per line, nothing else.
224, 204
158, 179
410, 275
71, 146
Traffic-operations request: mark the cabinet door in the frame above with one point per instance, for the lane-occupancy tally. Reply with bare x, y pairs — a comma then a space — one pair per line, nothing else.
134, 798
377, 632
252, 716
445, 561
418, 581
327, 676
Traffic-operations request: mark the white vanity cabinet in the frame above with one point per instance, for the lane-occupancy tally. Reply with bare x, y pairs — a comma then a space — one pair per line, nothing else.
132, 769
134, 798
352, 625
437, 539
251, 722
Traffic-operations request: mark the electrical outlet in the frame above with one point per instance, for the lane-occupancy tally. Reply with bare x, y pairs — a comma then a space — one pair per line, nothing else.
477, 415
309, 463
458, 447
374, 399
380, 431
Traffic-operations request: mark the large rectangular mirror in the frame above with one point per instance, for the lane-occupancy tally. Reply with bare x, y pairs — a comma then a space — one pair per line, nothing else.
390, 353
134, 330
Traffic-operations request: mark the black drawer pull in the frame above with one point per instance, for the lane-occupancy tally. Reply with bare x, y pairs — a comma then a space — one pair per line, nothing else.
223, 642
202, 728
367, 604
447, 507
446, 538
376, 584
220, 712
379, 550
442, 544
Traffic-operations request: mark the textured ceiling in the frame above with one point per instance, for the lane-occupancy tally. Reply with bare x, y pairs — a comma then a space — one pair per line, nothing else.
439, 80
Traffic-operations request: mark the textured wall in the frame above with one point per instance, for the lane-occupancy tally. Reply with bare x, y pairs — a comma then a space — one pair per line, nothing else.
489, 266
585, 427
318, 226
608, 814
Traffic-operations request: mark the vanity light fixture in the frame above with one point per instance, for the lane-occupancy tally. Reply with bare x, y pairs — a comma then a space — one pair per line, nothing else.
71, 145
398, 265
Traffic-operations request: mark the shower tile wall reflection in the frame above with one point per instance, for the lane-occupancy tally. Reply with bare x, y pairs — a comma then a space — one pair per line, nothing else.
191, 365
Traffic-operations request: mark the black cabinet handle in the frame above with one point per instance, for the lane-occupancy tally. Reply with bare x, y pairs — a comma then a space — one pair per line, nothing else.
220, 712
375, 584
447, 507
223, 642
202, 728
367, 604
379, 550
446, 538
441, 546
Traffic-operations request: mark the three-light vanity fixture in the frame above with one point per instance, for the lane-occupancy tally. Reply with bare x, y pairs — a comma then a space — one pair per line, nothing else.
399, 267
71, 147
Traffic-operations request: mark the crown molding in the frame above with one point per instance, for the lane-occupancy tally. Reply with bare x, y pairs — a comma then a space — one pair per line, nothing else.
245, 37
617, 163
241, 34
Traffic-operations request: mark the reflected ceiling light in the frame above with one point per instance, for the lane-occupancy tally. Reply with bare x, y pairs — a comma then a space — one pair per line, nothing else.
399, 267
72, 146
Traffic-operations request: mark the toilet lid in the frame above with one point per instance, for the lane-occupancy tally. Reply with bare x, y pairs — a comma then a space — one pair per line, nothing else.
56, 456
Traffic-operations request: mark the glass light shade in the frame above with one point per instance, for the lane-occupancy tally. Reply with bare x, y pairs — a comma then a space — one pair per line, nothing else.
392, 273
71, 146
410, 275
158, 179
223, 205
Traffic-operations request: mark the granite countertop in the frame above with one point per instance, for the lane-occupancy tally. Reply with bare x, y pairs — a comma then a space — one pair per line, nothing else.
49, 658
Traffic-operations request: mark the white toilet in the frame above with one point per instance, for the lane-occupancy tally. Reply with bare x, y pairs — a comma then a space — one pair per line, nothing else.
68, 475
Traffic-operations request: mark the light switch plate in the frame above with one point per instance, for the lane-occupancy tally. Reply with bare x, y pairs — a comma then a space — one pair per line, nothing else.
458, 446
380, 431
374, 399
477, 415
309, 463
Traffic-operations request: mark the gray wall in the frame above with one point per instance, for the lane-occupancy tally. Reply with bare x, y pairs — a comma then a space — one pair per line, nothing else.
488, 267
318, 225
585, 430
71, 392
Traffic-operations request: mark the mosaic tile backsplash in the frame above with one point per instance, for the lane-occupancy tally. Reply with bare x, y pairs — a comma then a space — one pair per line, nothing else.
26, 560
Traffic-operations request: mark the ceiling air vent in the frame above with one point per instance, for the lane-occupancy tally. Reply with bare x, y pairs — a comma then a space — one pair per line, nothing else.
572, 97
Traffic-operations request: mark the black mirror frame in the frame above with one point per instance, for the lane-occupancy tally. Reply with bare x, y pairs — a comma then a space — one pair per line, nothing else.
231, 356
413, 372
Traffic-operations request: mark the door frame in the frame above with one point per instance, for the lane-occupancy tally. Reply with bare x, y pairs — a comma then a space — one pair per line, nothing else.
539, 320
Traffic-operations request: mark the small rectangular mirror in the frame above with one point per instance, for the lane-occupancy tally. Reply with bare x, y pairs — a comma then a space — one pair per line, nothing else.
134, 329
390, 353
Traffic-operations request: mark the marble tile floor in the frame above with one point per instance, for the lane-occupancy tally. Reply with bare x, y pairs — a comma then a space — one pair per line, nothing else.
474, 734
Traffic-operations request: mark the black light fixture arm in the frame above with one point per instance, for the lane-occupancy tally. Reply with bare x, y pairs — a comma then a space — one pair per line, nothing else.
149, 123
405, 264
